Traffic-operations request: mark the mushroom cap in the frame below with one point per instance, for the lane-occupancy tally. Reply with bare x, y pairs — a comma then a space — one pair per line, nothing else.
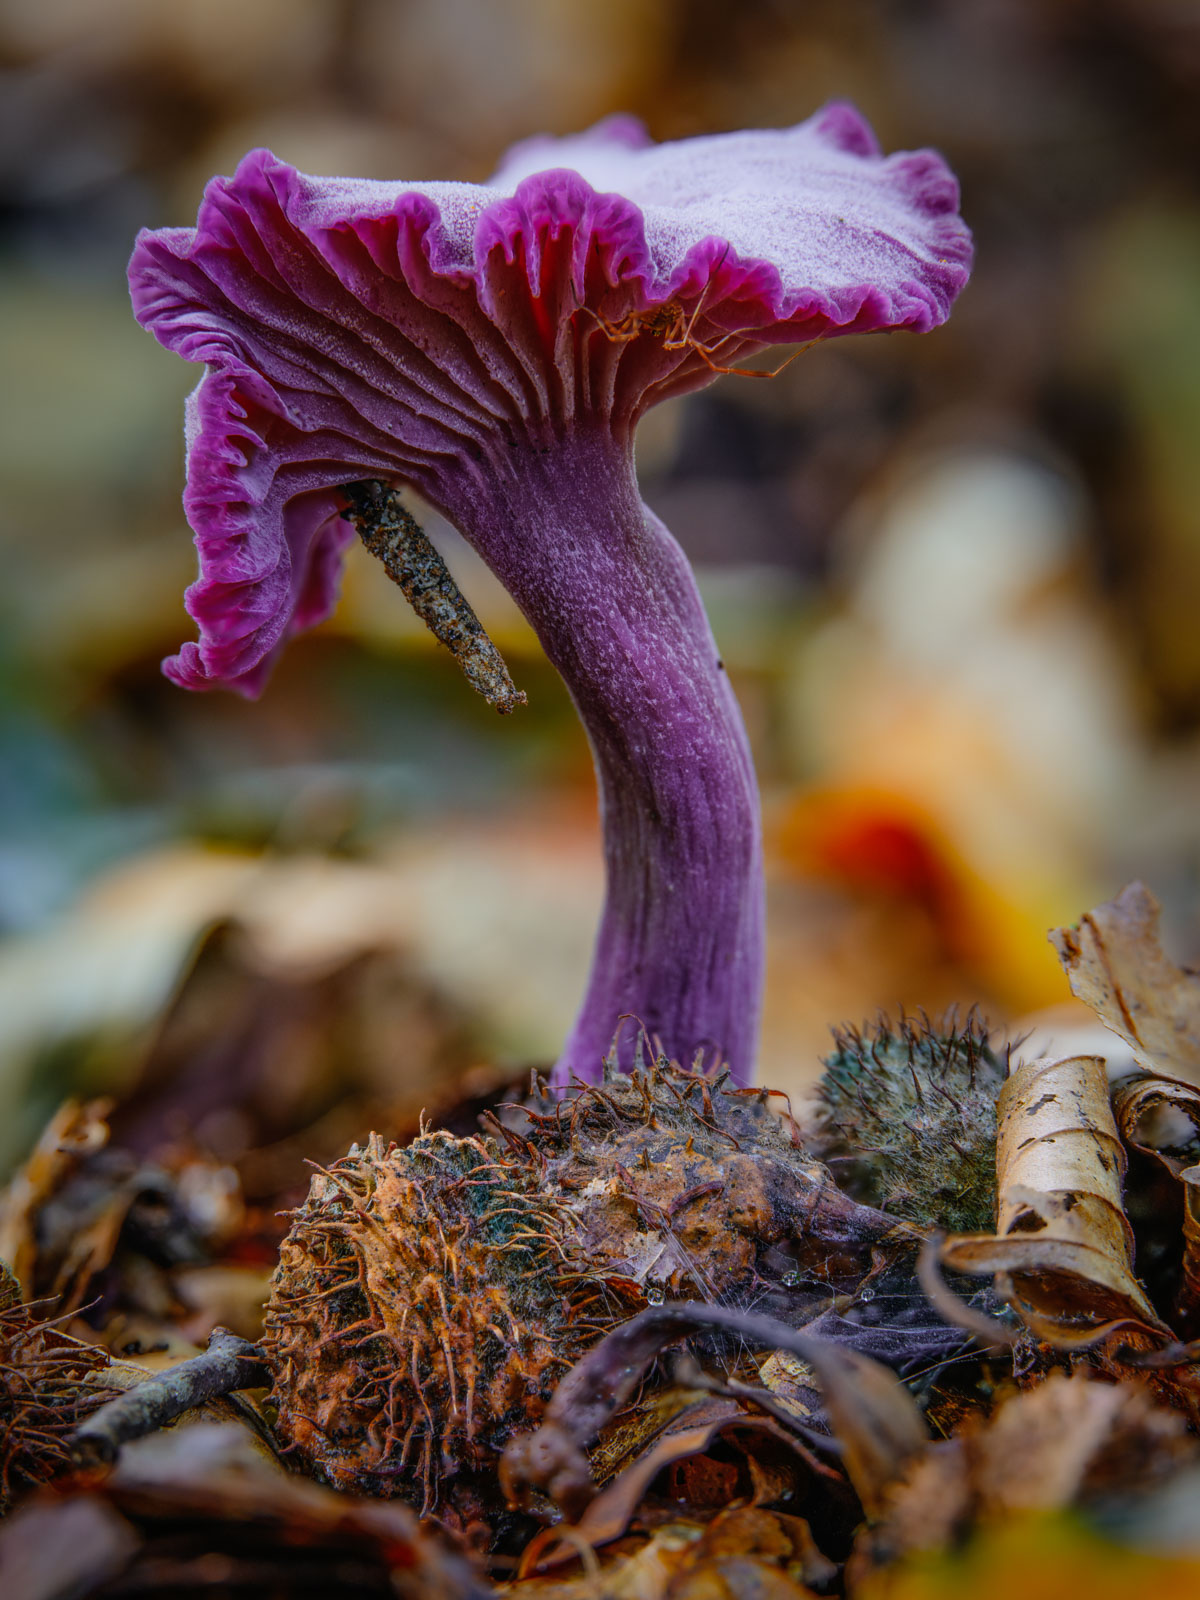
411, 332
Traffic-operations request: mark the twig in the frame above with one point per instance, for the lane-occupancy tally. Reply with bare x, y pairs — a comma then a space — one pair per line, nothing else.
229, 1363
395, 538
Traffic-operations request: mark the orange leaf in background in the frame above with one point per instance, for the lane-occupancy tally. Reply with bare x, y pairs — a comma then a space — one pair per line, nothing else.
882, 845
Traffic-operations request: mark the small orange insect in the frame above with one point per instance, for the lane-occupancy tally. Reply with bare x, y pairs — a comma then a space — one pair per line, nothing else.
671, 323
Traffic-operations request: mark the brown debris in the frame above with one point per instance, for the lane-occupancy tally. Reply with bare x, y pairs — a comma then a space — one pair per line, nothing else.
741, 1552
694, 1478
1070, 1442
80, 1202
876, 1421
1187, 1303
75, 1131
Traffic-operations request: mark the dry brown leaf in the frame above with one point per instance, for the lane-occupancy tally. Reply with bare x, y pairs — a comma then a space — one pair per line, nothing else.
1187, 1304
203, 1511
1070, 1442
1116, 964
74, 1130
1062, 1237
1071, 1439
608, 1516
877, 1423
743, 1551
1052, 1557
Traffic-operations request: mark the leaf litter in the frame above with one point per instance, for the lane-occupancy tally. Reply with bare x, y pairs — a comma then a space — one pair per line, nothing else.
704, 1359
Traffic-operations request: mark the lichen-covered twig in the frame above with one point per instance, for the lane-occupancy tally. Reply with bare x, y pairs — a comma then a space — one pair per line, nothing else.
392, 535
876, 1420
229, 1363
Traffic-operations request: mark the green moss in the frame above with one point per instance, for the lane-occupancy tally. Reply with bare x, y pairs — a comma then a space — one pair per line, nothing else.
906, 1115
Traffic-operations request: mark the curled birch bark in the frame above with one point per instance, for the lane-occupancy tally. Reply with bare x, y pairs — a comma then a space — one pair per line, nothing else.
1161, 1118
1063, 1248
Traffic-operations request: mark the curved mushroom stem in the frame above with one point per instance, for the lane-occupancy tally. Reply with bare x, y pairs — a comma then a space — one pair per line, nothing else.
613, 601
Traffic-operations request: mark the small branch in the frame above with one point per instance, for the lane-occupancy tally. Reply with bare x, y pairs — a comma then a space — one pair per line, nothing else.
392, 535
229, 1363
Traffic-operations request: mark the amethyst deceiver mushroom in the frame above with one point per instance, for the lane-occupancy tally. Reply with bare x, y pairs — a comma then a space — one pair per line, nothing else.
494, 347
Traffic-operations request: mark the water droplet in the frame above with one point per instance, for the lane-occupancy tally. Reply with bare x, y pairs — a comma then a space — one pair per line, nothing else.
866, 1294
791, 1279
654, 1294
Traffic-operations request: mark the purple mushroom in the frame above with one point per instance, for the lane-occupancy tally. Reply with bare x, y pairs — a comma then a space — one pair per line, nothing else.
494, 347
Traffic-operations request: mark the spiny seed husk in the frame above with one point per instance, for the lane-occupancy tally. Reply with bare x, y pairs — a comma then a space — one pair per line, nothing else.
907, 1115
47, 1388
428, 1299
420, 1312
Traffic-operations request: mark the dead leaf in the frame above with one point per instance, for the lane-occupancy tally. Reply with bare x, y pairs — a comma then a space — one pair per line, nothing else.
48, 1550
1187, 1304
1116, 964
744, 1551
1063, 1244
876, 1420
1037, 1558
202, 1510
226, 1294
73, 1131
1071, 1442
607, 1517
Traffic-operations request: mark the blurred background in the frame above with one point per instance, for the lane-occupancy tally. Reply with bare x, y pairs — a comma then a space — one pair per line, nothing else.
956, 578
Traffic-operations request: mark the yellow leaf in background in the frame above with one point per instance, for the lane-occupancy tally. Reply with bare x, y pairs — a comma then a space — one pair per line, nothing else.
1039, 1558
1062, 1236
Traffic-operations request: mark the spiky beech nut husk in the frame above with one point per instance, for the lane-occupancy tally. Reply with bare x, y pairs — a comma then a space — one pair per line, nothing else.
47, 1388
906, 1114
428, 1299
421, 1311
